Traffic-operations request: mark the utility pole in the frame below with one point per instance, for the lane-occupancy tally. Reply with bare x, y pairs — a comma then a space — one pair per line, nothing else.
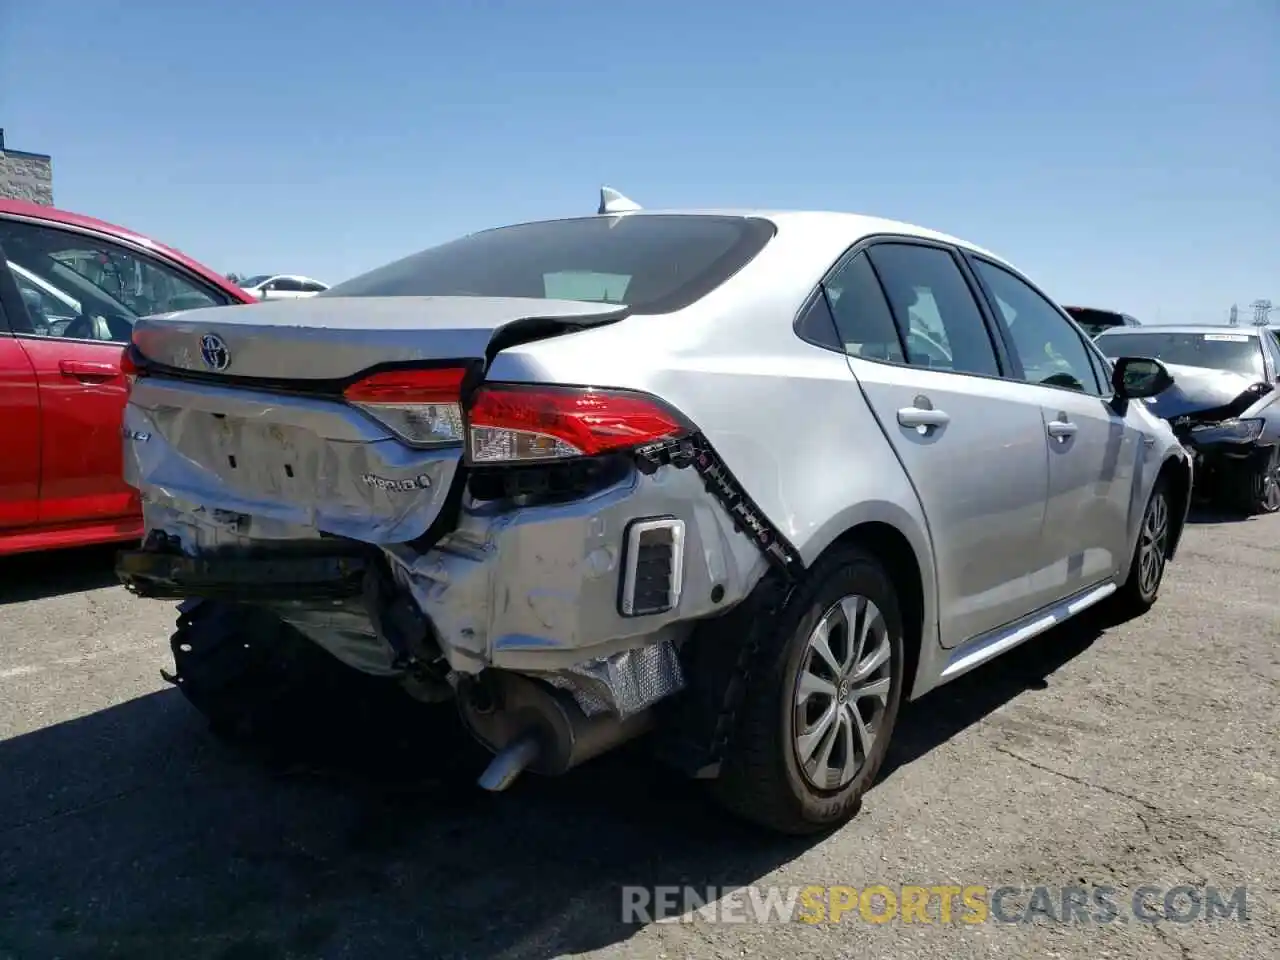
1261, 310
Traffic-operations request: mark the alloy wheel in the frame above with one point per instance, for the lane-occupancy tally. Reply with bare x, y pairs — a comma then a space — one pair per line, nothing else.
1270, 492
1153, 544
841, 692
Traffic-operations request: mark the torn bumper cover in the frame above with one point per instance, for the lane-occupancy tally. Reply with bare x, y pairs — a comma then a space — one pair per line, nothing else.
302, 505
551, 591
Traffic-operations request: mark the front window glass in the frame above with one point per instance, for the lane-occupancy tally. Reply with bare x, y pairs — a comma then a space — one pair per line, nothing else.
100, 287
1052, 352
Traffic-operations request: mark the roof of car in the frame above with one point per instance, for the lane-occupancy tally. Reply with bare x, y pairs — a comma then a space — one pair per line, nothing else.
23, 208
1181, 328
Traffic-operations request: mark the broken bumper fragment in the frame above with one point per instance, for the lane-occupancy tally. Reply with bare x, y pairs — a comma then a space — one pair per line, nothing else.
159, 570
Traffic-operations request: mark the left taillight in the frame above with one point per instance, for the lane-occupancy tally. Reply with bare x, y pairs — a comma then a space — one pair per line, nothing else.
522, 424
423, 407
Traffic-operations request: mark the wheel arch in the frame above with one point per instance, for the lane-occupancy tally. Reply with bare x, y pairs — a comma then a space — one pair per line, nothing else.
1177, 473
888, 544
718, 656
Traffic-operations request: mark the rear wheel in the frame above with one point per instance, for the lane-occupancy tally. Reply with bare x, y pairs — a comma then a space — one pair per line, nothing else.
249, 673
821, 702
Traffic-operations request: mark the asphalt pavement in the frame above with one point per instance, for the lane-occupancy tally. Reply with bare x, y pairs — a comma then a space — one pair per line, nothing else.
1139, 754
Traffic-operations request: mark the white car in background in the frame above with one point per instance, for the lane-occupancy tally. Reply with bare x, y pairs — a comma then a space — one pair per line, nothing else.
282, 286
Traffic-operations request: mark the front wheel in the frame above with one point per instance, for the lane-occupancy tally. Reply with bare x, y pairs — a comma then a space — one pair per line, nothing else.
1258, 490
1150, 556
821, 702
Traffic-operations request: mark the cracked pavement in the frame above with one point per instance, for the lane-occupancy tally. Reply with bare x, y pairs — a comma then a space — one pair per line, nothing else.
1136, 754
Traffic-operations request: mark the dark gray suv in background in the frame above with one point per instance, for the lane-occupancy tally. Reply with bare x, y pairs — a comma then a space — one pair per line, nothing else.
1094, 320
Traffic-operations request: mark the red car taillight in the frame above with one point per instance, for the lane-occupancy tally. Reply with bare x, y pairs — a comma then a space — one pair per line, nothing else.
421, 406
128, 369
515, 423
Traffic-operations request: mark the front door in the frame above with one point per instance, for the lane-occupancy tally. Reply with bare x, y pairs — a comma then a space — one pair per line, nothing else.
20, 412
1093, 453
82, 398
75, 342
971, 442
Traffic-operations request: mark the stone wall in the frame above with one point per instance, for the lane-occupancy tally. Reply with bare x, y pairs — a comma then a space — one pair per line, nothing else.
25, 176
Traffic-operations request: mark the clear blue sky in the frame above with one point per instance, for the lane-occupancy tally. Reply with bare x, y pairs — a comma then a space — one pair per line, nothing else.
1125, 153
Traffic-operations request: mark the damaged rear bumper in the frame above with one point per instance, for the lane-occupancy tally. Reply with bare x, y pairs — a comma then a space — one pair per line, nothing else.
553, 610
552, 591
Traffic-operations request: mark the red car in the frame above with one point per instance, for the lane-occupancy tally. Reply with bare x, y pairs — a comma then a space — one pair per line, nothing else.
70, 289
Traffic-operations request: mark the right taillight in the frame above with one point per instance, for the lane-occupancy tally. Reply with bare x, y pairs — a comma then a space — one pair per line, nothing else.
517, 423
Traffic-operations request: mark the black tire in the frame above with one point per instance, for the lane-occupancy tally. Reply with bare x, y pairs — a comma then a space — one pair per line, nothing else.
251, 675
761, 779
1139, 594
1258, 485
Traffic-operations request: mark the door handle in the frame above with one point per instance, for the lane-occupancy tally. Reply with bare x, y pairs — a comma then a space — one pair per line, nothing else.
86, 370
1061, 429
922, 417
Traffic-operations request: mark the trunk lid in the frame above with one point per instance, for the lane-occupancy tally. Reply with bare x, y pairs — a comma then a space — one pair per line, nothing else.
263, 431
335, 338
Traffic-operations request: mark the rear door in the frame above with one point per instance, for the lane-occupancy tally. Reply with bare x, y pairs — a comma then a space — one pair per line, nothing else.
970, 440
1092, 449
76, 361
20, 412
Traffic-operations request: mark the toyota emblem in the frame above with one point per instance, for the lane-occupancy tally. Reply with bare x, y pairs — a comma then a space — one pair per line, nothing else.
214, 352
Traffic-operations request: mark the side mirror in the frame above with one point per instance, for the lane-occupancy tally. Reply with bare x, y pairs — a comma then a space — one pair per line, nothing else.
1135, 378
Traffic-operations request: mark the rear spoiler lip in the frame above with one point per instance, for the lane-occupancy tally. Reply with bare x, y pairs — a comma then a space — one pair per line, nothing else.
512, 333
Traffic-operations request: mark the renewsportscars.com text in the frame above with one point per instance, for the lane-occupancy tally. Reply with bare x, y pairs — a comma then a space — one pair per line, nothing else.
935, 904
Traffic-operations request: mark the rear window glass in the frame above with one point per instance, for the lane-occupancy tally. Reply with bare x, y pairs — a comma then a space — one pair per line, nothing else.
653, 263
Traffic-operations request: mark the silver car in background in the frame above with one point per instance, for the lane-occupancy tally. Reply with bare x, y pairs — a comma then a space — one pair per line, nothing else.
743, 481
282, 286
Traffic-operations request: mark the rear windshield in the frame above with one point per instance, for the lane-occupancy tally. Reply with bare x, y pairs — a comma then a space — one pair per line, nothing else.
653, 263
1238, 352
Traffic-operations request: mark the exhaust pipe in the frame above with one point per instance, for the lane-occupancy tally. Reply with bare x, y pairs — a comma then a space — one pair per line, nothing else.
509, 762
530, 725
